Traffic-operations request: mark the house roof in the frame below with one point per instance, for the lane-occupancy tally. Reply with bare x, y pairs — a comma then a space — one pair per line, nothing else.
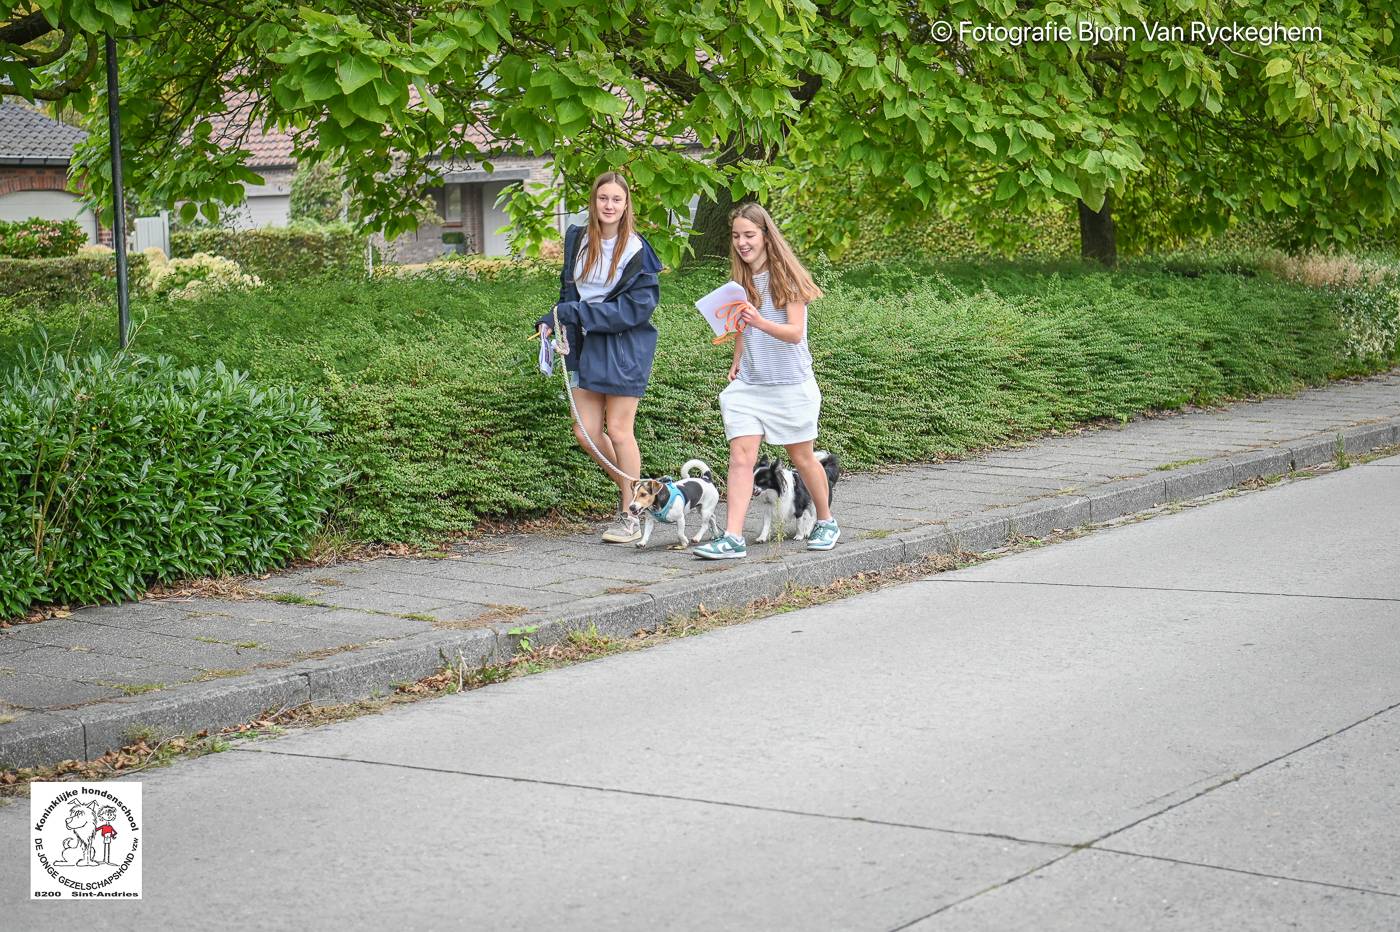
274, 148
27, 137
234, 128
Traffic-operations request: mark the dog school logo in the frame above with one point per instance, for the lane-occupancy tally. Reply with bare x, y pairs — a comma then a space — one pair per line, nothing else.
86, 840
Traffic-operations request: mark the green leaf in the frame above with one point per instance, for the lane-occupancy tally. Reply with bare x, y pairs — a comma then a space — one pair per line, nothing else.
355, 72
1065, 184
1277, 67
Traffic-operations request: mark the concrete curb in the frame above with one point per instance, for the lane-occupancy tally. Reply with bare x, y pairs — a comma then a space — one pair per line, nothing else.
42, 738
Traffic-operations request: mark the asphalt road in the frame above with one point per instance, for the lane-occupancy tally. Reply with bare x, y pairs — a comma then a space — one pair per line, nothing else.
1187, 723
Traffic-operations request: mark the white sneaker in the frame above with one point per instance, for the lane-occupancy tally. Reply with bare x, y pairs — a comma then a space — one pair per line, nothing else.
627, 529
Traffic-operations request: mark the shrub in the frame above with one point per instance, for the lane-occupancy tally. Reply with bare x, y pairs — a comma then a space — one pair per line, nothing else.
36, 238
473, 268
195, 277
318, 192
118, 471
90, 276
278, 254
1370, 317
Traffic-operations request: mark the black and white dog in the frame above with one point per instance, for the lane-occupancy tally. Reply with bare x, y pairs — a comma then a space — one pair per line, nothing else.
668, 501
789, 503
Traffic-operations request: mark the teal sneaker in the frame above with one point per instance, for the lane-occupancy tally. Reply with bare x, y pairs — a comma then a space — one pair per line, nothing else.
728, 547
824, 536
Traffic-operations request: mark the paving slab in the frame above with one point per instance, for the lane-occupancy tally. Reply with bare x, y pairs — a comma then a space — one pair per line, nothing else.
32, 691
1327, 813
1092, 891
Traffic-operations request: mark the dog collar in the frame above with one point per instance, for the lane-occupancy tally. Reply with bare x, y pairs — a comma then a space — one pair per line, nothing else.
672, 494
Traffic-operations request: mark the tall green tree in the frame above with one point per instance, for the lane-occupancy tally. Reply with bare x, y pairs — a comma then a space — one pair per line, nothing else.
888, 108
1134, 127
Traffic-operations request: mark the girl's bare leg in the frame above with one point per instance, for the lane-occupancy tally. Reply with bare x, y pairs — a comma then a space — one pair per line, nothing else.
590, 411
621, 416
743, 456
804, 460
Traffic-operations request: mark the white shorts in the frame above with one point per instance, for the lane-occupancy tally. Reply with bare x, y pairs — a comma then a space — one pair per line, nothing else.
782, 414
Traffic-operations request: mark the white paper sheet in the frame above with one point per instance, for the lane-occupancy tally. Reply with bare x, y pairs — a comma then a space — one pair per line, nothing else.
709, 306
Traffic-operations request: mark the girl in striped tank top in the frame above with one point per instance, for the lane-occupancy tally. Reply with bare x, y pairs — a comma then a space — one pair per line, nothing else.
772, 394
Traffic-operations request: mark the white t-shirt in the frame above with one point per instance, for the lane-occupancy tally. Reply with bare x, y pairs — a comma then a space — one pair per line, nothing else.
597, 285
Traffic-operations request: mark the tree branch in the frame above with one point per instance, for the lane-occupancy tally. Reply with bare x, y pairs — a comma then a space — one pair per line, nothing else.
25, 29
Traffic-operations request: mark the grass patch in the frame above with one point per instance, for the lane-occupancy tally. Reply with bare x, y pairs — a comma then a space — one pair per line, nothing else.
241, 645
132, 689
291, 598
1166, 467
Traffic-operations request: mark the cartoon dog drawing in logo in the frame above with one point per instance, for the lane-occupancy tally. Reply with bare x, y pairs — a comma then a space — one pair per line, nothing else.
72, 848
82, 822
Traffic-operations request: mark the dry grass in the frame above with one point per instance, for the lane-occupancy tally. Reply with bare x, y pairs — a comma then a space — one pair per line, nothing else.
1323, 270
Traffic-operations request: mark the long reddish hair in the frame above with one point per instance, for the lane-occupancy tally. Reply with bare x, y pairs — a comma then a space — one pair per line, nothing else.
625, 225
788, 281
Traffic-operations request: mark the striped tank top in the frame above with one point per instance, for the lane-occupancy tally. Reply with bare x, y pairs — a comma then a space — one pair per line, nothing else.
766, 360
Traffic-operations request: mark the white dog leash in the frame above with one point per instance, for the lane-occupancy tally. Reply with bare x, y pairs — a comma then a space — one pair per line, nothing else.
561, 346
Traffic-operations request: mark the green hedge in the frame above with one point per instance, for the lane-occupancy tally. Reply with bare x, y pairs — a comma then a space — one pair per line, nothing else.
120, 471
85, 277
280, 254
443, 418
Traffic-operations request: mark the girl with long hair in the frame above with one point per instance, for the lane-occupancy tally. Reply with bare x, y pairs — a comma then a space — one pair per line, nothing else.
772, 392
607, 292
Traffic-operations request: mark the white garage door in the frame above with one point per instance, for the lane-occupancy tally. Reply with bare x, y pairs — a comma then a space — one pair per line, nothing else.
269, 210
50, 205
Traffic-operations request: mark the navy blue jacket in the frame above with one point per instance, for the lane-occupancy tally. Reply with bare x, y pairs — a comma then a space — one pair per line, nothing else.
611, 342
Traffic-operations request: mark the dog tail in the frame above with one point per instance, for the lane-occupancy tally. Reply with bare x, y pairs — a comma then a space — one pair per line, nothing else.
698, 464
829, 462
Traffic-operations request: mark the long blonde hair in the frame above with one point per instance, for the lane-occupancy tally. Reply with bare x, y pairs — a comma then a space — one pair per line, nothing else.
788, 281
625, 225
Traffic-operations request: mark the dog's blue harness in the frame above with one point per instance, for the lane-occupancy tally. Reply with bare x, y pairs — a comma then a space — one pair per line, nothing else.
673, 493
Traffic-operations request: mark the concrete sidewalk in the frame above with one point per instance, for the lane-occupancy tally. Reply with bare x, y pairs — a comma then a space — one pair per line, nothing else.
75, 687
1188, 724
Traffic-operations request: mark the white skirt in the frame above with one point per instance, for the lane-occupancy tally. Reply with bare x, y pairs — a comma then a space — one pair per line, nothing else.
782, 414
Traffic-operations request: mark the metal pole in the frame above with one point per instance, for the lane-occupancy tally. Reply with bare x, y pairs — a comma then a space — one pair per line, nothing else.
114, 131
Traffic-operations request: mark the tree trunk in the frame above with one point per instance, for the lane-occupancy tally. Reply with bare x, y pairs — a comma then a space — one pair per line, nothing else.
1097, 239
710, 238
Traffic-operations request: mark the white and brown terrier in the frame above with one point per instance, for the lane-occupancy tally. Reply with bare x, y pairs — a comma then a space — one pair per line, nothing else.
669, 501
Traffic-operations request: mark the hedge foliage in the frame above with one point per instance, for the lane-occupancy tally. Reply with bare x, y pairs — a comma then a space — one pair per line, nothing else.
279, 254
87, 277
37, 238
443, 418
118, 471
318, 192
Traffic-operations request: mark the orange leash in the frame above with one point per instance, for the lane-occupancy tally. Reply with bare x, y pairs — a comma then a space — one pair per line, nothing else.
728, 314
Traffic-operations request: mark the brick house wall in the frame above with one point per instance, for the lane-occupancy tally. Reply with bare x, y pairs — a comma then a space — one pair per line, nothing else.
33, 178
16, 178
